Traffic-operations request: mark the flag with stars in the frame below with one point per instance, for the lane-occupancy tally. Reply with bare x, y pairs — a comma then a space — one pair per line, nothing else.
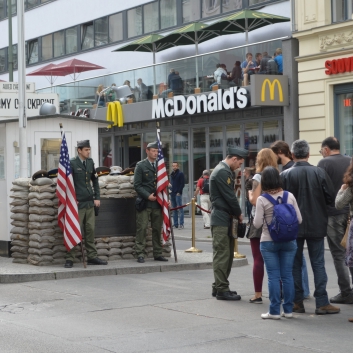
68, 219
162, 185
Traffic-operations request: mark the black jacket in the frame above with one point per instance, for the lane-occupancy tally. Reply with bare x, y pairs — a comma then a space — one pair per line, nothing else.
178, 182
313, 189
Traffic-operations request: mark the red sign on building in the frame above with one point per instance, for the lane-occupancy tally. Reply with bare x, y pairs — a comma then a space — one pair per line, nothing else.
339, 66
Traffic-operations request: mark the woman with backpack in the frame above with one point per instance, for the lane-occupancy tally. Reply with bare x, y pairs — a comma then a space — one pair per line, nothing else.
278, 214
266, 157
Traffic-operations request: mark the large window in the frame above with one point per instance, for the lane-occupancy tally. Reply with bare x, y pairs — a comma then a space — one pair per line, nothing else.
231, 5
211, 8
87, 36
191, 10
134, 22
101, 31
341, 10
2, 59
59, 43
14, 56
2, 9
168, 13
71, 40
47, 47
151, 18
116, 27
32, 55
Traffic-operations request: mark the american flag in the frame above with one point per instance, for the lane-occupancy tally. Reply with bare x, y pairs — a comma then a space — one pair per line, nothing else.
162, 185
68, 219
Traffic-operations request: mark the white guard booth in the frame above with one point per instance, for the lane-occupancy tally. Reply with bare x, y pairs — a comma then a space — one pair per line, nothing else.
43, 146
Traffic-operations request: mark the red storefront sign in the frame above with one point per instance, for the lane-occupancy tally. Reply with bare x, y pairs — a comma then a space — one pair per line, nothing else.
339, 66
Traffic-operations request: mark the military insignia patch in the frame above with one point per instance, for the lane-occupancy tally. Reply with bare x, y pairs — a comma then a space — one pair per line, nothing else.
228, 181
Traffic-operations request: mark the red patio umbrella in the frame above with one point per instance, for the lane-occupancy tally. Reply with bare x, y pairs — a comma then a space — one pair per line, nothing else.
75, 66
47, 71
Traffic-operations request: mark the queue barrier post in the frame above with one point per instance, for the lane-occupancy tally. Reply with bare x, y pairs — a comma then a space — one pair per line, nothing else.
193, 248
237, 255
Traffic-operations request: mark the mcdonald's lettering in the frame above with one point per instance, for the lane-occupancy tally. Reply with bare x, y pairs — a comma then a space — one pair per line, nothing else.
271, 88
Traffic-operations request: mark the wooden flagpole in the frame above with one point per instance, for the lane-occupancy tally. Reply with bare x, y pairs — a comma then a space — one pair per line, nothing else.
82, 250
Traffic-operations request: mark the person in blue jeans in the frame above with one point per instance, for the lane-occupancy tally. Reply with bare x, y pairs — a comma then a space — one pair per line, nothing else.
305, 279
177, 181
278, 256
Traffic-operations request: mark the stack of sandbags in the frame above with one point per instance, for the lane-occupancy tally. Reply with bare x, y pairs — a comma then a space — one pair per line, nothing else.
117, 186
110, 248
45, 235
166, 252
19, 209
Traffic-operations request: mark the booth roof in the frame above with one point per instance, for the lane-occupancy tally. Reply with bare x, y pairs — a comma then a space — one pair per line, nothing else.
61, 116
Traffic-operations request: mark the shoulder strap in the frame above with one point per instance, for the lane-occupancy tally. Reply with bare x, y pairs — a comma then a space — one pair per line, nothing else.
270, 198
285, 197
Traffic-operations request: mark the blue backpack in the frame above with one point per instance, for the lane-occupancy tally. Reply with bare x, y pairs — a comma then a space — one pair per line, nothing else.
284, 225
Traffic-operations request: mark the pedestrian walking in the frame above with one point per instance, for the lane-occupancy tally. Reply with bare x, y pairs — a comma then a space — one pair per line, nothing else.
336, 165
278, 255
203, 187
225, 206
83, 172
265, 158
177, 181
313, 190
145, 184
345, 197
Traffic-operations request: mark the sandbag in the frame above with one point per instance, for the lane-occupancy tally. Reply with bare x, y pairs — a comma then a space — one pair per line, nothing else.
22, 181
40, 218
38, 245
22, 243
128, 256
126, 186
114, 251
59, 255
59, 248
123, 178
113, 239
19, 255
20, 224
43, 188
102, 240
41, 203
41, 225
58, 261
112, 191
42, 181
21, 249
125, 191
42, 232
19, 261
41, 195
112, 186
19, 188
127, 244
42, 210
19, 195
115, 244
41, 239
127, 251
102, 252
104, 258
126, 239
20, 209
102, 246
115, 257
19, 230
23, 217
43, 260
40, 252
19, 237
19, 202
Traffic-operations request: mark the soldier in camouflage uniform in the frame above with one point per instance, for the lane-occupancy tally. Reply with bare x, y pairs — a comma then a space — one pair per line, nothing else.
145, 184
83, 173
225, 206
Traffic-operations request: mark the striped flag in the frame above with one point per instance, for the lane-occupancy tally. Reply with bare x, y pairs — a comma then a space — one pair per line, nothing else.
162, 185
68, 219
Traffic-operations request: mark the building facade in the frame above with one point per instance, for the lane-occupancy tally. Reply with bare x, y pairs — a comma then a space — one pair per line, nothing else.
325, 72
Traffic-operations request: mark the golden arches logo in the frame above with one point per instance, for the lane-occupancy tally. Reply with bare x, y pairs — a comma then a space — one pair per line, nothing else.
271, 86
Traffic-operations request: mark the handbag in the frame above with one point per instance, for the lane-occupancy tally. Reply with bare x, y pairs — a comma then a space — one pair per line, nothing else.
345, 237
238, 228
140, 204
252, 231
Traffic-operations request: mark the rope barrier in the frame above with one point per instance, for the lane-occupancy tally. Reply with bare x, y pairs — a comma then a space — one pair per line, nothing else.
177, 208
202, 209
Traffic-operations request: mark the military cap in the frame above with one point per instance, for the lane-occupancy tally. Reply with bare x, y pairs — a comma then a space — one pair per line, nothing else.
102, 171
115, 170
153, 145
237, 152
40, 174
128, 171
53, 173
83, 143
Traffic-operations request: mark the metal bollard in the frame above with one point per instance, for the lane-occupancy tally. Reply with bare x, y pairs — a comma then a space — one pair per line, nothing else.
193, 218
237, 255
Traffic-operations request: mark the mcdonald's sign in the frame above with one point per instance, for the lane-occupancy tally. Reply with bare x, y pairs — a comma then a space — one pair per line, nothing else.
269, 90
115, 114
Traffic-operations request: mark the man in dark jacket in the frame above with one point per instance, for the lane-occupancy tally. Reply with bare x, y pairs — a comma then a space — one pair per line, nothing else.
177, 182
313, 189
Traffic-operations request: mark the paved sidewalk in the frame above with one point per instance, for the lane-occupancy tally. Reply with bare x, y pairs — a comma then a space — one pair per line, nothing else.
16, 273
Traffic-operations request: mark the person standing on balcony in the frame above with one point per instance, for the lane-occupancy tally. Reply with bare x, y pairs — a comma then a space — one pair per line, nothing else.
248, 69
101, 96
279, 60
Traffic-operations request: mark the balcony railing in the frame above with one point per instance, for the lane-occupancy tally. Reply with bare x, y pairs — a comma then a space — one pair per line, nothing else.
82, 94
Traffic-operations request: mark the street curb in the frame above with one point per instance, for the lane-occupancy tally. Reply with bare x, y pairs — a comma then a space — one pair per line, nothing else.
80, 273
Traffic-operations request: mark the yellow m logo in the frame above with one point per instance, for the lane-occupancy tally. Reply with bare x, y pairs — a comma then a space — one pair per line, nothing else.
271, 87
